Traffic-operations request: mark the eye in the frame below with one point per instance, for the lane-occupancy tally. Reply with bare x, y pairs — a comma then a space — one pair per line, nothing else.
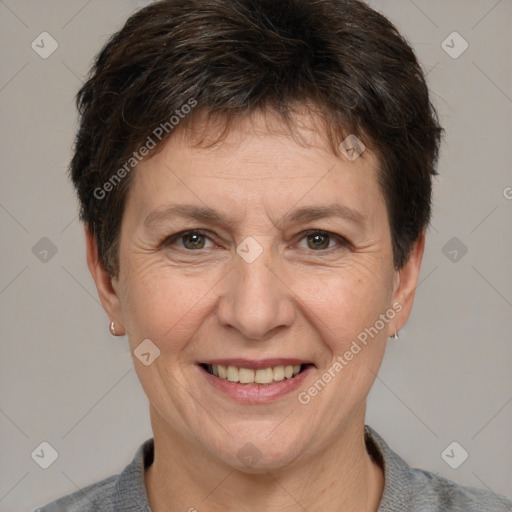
190, 240
316, 240
321, 240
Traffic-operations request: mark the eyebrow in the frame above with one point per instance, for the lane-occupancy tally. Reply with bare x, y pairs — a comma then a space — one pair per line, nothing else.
303, 214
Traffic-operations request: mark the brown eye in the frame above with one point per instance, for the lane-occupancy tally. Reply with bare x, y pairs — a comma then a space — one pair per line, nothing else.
323, 241
318, 240
189, 240
193, 240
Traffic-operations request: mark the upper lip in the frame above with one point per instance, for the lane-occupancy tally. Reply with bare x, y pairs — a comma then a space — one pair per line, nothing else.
257, 364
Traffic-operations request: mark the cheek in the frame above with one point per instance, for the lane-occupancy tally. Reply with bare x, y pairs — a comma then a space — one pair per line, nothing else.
344, 301
166, 306
169, 305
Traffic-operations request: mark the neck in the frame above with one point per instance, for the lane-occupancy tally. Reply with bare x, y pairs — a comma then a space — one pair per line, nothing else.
185, 476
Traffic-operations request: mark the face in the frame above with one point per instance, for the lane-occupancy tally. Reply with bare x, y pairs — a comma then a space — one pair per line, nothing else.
258, 253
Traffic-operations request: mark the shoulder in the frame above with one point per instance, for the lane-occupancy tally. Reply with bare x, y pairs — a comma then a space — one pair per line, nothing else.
432, 493
94, 497
125, 492
408, 489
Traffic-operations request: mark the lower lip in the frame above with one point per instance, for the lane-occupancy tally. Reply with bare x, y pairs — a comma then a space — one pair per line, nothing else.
256, 393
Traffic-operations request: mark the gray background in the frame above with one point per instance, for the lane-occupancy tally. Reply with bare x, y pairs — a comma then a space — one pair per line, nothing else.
66, 381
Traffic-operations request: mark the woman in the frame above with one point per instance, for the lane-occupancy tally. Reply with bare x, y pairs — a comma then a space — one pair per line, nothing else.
255, 185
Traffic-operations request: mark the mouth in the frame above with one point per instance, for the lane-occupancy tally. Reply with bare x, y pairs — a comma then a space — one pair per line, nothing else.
259, 373
255, 382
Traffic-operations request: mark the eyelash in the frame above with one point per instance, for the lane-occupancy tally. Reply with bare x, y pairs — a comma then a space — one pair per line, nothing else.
343, 242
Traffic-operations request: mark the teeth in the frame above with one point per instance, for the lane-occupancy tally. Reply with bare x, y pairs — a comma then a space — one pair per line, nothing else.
232, 374
264, 376
278, 373
245, 376
249, 376
221, 370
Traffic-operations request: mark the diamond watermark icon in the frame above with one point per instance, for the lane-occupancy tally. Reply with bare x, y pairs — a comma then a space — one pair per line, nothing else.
146, 352
249, 250
44, 45
44, 455
454, 249
249, 455
454, 455
454, 45
352, 148
44, 250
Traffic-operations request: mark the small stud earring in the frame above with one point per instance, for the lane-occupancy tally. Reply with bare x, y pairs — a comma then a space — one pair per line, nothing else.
112, 328
395, 336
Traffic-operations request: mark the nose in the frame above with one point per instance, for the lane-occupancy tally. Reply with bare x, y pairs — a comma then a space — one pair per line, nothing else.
256, 300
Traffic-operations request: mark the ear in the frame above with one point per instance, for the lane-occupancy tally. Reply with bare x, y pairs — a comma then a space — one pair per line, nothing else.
104, 282
406, 282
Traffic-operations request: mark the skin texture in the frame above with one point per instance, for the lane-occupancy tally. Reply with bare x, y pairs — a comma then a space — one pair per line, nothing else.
295, 300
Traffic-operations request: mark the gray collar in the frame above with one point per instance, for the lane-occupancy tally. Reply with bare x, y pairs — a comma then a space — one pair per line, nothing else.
131, 495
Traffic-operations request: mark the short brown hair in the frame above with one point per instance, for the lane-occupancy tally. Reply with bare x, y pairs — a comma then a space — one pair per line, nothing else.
233, 57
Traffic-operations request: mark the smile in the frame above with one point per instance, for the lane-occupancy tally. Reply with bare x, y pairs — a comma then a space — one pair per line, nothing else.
250, 381
262, 376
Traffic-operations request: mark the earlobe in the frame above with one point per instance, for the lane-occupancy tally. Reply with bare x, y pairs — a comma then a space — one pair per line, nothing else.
103, 281
406, 284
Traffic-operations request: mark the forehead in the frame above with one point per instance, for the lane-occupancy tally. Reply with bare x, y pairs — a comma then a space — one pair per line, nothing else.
262, 137
258, 157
